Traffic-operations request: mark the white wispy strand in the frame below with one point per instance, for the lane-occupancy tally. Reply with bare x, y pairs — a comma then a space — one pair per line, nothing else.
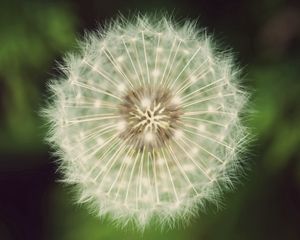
146, 121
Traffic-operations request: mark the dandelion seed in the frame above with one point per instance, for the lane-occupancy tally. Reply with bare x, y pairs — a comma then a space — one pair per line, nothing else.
147, 124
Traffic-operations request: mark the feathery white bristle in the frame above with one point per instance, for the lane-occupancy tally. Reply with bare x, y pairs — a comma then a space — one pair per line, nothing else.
147, 121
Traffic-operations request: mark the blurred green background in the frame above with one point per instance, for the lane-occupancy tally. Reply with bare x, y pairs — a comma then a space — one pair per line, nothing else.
265, 36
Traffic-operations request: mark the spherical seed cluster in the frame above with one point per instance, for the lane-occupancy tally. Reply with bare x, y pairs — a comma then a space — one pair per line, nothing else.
146, 121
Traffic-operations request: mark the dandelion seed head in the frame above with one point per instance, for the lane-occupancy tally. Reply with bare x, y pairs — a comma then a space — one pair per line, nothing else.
146, 121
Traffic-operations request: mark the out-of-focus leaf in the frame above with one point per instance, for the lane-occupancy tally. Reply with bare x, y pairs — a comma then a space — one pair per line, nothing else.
30, 42
277, 119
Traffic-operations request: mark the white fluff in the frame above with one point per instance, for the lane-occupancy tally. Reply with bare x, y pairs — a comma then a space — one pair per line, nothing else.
132, 184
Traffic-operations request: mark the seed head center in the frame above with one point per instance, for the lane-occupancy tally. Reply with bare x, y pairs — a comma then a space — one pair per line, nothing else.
151, 117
